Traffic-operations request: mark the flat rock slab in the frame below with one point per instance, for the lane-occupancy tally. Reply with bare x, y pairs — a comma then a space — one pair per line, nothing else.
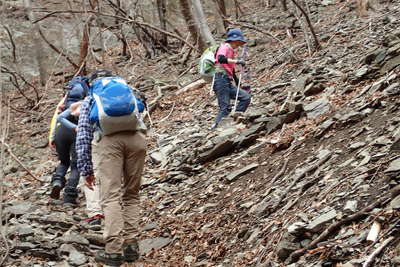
236, 174
318, 223
20, 208
394, 166
77, 258
218, 150
147, 245
317, 108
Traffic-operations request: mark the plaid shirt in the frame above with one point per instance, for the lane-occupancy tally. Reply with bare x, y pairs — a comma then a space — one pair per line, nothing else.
84, 139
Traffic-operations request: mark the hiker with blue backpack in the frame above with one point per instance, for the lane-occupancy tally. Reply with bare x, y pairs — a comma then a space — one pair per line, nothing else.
225, 74
111, 147
63, 139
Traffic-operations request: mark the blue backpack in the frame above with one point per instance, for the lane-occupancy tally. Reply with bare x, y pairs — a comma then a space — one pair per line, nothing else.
115, 108
77, 90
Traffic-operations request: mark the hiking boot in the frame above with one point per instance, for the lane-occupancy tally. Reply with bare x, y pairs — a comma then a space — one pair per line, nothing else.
95, 220
112, 259
70, 203
56, 189
238, 116
214, 126
131, 252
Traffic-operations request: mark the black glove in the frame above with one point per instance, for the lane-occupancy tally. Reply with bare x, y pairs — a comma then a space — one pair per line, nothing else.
246, 88
241, 62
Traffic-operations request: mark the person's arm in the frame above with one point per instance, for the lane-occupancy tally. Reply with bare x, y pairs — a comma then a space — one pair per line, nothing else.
63, 119
84, 139
222, 59
53, 122
52, 128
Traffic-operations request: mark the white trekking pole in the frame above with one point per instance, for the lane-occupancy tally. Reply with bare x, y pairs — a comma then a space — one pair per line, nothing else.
237, 91
148, 115
212, 84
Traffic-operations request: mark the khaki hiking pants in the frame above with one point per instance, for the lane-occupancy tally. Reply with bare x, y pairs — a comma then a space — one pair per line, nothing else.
92, 197
119, 165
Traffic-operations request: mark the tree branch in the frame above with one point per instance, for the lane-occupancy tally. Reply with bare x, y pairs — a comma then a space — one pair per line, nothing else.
121, 18
12, 43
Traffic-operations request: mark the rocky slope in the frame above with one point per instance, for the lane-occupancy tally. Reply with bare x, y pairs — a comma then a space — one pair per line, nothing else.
299, 181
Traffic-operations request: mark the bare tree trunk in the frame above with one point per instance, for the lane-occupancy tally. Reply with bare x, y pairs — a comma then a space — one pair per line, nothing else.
317, 44
202, 23
163, 22
223, 11
96, 5
38, 46
284, 5
220, 15
194, 32
84, 47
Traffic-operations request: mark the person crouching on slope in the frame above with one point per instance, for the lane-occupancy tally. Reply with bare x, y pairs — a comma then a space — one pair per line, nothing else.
62, 139
225, 74
92, 197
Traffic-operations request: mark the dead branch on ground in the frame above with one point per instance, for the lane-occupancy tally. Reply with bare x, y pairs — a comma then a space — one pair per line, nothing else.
298, 177
333, 228
277, 176
8, 149
371, 257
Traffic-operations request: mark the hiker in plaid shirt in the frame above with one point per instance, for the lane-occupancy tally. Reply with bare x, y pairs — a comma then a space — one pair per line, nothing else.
114, 162
84, 139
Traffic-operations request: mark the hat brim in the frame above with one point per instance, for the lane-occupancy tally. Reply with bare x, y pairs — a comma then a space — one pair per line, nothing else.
236, 39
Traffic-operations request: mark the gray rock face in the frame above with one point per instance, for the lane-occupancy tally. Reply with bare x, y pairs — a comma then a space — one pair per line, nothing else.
395, 203
157, 157
351, 206
351, 117
313, 89
218, 150
300, 84
297, 228
71, 237
394, 166
323, 128
294, 112
317, 108
77, 258
20, 208
147, 245
236, 174
286, 247
320, 221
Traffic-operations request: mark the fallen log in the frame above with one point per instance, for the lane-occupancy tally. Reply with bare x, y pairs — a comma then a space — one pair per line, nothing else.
192, 86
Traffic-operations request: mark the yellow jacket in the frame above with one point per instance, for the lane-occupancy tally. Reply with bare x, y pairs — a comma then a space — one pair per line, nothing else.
53, 122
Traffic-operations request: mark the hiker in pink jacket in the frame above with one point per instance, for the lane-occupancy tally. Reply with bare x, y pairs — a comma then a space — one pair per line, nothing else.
225, 74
